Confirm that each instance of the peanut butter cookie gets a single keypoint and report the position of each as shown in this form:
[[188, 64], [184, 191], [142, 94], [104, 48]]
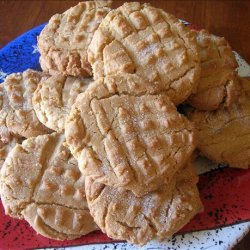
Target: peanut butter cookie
[[224, 134], [126, 133], [218, 81], [54, 97], [17, 115], [41, 183], [157, 215], [138, 38], [64, 41]]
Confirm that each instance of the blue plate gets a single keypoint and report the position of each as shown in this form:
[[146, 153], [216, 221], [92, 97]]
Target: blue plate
[[20, 54]]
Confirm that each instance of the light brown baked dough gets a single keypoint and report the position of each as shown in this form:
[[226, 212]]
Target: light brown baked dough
[[6, 144], [217, 85], [125, 133], [54, 97], [157, 215], [224, 134], [17, 115], [7, 140], [41, 183], [64, 41], [138, 38]]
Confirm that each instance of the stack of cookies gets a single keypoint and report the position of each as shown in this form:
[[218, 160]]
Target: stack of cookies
[[95, 141]]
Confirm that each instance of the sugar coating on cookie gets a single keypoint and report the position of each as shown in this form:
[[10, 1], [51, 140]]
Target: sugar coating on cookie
[[17, 115], [55, 96], [126, 133], [138, 38], [64, 41], [157, 215], [217, 85], [41, 183], [224, 134]]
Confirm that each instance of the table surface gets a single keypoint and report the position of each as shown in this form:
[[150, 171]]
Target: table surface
[[230, 19]]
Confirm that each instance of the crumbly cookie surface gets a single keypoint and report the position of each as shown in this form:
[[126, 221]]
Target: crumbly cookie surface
[[224, 134], [157, 215], [64, 40], [41, 183], [127, 133], [54, 97], [218, 81], [138, 38], [17, 115]]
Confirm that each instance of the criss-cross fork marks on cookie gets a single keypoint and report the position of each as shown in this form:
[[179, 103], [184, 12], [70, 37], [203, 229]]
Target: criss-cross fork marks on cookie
[[138, 38], [64, 41], [16, 112], [41, 183], [125, 136], [157, 215], [55, 96]]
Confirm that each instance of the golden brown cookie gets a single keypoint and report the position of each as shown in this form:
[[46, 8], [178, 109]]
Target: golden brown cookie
[[218, 81], [64, 41], [125, 133], [41, 183], [224, 134], [17, 115], [138, 38], [54, 97], [157, 215]]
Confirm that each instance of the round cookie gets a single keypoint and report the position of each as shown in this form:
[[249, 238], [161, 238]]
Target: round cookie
[[54, 97], [126, 133], [224, 133], [157, 215], [41, 183], [16, 111], [64, 40], [138, 38], [218, 81]]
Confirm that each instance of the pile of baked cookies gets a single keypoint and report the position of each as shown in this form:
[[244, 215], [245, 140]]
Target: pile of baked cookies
[[96, 141]]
